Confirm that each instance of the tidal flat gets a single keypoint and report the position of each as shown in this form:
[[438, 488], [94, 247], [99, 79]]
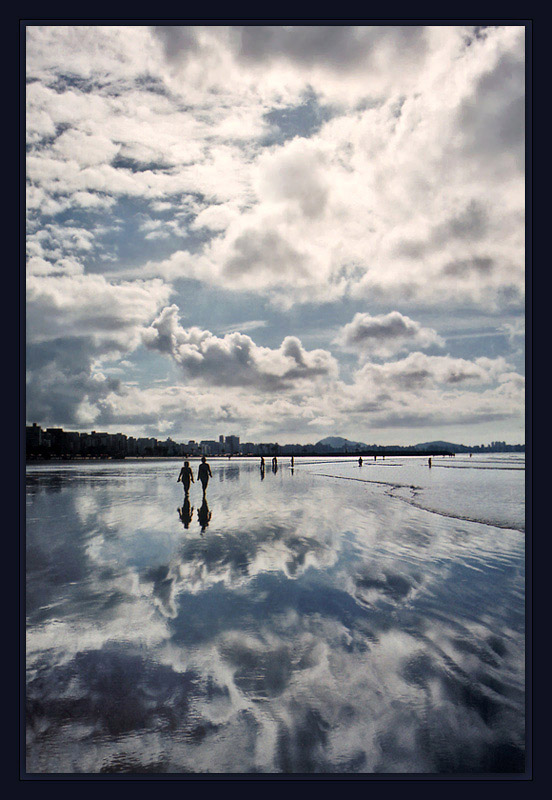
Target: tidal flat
[[329, 618]]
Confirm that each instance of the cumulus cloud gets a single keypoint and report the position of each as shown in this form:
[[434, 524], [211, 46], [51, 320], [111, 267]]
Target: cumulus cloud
[[419, 370], [90, 306], [235, 359], [407, 193], [386, 334], [72, 320]]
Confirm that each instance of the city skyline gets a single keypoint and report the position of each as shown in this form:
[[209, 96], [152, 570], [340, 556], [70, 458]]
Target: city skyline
[[56, 441], [287, 231]]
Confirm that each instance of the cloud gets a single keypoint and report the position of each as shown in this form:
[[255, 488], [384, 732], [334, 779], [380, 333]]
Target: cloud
[[493, 119], [419, 370], [249, 325], [380, 201], [72, 320], [399, 185], [179, 42], [235, 359], [386, 334], [90, 306], [295, 174]]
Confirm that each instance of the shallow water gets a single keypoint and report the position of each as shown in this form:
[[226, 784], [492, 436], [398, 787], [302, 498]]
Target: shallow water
[[308, 621]]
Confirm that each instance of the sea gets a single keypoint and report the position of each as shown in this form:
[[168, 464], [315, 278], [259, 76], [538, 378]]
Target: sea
[[320, 618]]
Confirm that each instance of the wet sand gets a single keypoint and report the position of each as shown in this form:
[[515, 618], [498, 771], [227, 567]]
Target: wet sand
[[297, 624]]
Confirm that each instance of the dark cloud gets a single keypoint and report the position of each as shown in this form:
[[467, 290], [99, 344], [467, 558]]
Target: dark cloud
[[60, 378], [470, 224], [264, 251], [387, 333], [178, 41], [493, 119], [392, 326], [338, 47], [479, 265]]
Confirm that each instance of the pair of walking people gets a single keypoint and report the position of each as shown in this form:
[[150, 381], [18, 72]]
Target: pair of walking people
[[186, 475]]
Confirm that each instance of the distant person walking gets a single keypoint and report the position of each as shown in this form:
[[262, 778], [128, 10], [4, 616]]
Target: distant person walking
[[204, 473], [360, 461], [292, 461], [429, 462], [186, 476], [262, 463], [274, 462]]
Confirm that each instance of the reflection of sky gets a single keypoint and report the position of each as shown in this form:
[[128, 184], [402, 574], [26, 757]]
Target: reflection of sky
[[313, 626], [485, 488]]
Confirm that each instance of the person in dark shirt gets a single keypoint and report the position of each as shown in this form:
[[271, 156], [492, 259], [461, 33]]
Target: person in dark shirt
[[186, 476], [204, 473]]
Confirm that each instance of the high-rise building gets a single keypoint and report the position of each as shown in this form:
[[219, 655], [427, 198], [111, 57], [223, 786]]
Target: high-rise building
[[232, 444]]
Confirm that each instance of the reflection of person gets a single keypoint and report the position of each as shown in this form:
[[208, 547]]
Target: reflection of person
[[204, 473], [186, 476], [204, 515], [186, 513]]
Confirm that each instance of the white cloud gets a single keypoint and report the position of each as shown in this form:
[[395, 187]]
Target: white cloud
[[386, 334], [235, 359], [407, 192], [90, 306]]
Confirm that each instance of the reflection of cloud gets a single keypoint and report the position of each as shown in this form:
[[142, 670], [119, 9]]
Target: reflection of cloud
[[311, 632]]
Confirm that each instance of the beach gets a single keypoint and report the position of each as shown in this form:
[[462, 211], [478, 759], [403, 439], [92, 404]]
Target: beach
[[328, 618]]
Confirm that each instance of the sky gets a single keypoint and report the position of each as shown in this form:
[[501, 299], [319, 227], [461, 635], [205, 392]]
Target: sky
[[277, 232]]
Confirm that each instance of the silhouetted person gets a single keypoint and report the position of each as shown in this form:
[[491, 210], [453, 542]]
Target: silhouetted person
[[186, 513], [186, 476], [429, 462], [262, 463], [204, 515], [375, 458], [204, 473], [292, 461], [274, 462], [360, 461]]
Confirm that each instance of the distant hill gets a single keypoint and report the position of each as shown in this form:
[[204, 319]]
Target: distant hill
[[439, 445], [338, 443], [341, 445]]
